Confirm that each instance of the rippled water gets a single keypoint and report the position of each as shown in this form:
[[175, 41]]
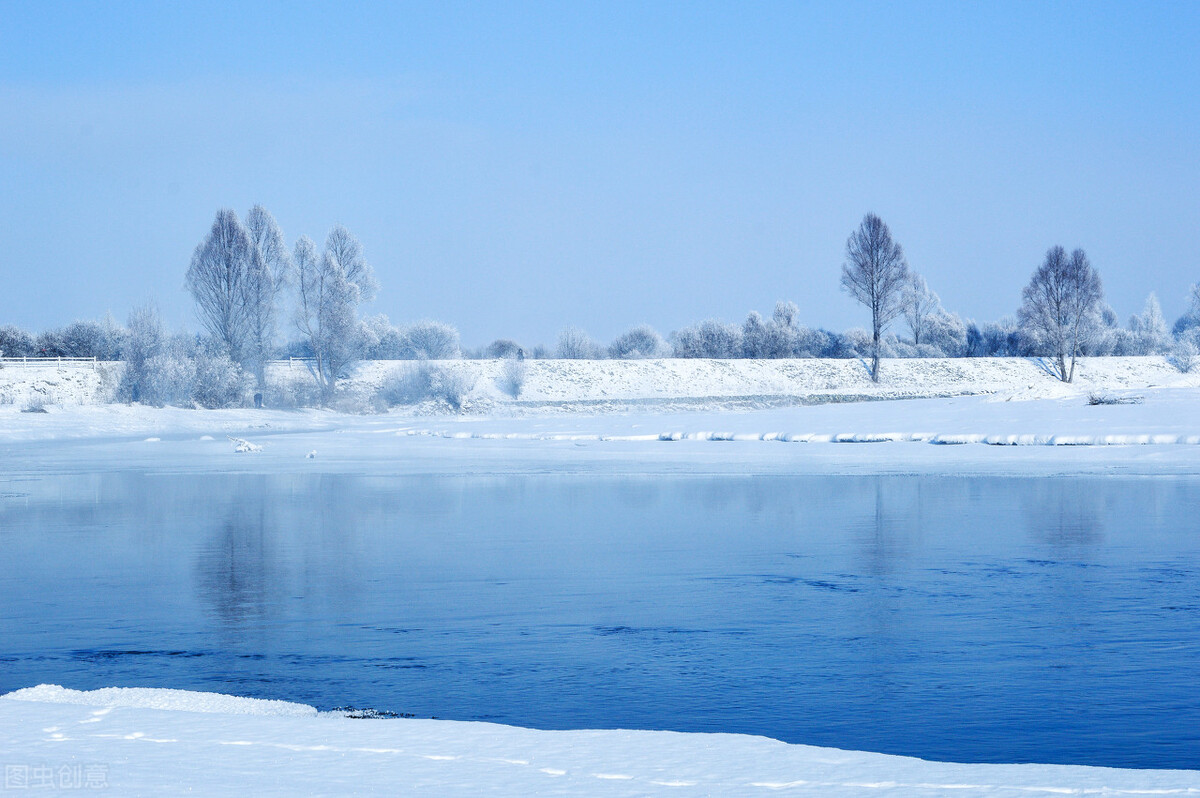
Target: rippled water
[[983, 620]]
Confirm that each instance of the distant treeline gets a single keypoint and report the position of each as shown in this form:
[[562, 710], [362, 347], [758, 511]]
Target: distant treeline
[[244, 280]]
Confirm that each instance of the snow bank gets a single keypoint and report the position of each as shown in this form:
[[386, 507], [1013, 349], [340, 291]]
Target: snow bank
[[148, 749], [159, 698], [590, 385], [24, 385]]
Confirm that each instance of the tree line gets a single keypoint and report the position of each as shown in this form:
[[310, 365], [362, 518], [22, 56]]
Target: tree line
[[252, 291]]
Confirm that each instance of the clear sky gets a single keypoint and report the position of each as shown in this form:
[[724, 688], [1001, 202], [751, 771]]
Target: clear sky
[[516, 167]]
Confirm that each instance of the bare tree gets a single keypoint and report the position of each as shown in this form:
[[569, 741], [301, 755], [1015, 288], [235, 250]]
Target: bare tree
[[574, 344], [875, 273], [327, 307], [1059, 306], [219, 280], [343, 247], [431, 340], [268, 273], [143, 342], [919, 304], [1149, 329]]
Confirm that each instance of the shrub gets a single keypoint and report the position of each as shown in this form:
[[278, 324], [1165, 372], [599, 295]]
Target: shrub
[[640, 342], [512, 377], [431, 340], [1095, 398], [501, 348], [708, 339], [294, 389], [408, 386], [574, 344], [143, 342], [219, 382], [1184, 355]]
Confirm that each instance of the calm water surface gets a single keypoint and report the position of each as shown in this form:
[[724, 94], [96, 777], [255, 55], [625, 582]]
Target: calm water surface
[[981, 620]]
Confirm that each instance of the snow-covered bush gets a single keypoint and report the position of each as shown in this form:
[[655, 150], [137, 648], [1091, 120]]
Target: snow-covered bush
[[143, 342], [501, 348], [101, 340], [409, 386], [187, 373], [818, 343], [574, 344], [1191, 319], [1150, 329], [431, 340], [381, 341], [293, 389], [946, 334], [220, 382], [768, 339], [170, 379], [1185, 355], [640, 342], [512, 377], [711, 338], [1004, 338], [857, 342]]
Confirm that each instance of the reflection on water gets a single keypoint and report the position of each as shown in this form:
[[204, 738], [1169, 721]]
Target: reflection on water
[[950, 618]]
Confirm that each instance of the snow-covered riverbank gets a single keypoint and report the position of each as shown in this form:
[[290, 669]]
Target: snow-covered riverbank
[[157, 742], [1159, 433], [590, 386]]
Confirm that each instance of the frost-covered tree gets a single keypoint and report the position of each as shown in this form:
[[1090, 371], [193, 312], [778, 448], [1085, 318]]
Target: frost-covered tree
[[710, 338], [144, 341], [343, 247], [15, 342], [875, 273], [944, 334], [918, 303], [786, 314], [640, 342], [1191, 319], [267, 275], [326, 312], [574, 344], [755, 336], [1185, 354], [219, 279], [1060, 305], [1149, 329], [98, 339], [502, 348], [431, 340], [768, 339]]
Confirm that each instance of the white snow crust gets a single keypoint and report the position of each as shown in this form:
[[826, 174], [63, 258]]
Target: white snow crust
[[148, 746]]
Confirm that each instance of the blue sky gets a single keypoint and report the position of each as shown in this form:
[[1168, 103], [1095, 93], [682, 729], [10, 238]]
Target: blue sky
[[513, 168]]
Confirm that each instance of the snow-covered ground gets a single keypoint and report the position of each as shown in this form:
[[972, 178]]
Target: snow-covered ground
[[590, 385], [630, 418], [159, 742], [993, 434]]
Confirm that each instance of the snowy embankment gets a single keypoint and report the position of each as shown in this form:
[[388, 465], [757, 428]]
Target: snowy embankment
[[34, 385], [1157, 431], [591, 386], [597, 385], [155, 742]]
